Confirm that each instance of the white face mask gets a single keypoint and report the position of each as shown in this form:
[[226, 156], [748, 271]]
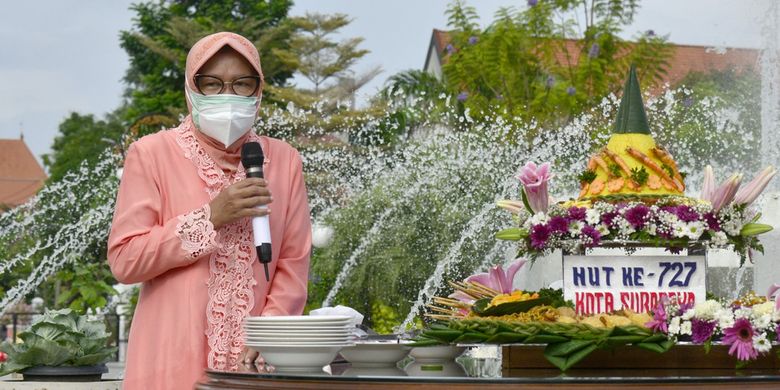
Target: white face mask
[[223, 117]]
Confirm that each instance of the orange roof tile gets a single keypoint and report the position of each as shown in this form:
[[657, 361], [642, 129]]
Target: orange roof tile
[[20, 174]]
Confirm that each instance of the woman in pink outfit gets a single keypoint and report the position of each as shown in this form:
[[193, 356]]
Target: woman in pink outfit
[[182, 228]]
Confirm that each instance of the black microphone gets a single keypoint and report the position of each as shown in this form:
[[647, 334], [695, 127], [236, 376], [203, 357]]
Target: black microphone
[[252, 159]]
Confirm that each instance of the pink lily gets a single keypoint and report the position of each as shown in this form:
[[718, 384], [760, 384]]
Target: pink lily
[[513, 206], [746, 195], [774, 293], [534, 180], [497, 278], [708, 185], [724, 194]]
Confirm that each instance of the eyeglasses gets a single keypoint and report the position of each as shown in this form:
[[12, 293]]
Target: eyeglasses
[[242, 86]]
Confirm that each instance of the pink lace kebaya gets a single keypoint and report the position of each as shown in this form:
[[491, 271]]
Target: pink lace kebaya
[[198, 282]]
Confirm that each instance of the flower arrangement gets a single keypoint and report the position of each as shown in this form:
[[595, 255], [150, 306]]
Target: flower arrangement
[[721, 218], [748, 325]]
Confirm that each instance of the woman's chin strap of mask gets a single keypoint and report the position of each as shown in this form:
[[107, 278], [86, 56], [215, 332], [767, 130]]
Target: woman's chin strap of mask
[[225, 118]]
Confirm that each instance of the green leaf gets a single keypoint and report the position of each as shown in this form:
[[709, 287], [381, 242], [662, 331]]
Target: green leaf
[[506, 338], [564, 362], [655, 347], [707, 346], [95, 358], [471, 337], [10, 367], [526, 203], [48, 330], [567, 348], [446, 336], [481, 308], [623, 340], [545, 339]]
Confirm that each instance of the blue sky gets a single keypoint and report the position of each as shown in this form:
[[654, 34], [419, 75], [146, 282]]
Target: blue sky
[[59, 56]]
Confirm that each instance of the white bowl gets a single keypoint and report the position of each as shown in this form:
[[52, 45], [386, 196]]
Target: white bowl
[[302, 359], [374, 354], [439, 353]]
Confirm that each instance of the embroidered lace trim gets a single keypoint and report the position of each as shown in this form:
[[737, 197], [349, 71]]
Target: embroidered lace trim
[[231, 279], [196, 232]]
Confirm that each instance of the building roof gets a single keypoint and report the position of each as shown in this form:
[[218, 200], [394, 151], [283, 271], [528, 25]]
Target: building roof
[[685, 59], [21, 176]]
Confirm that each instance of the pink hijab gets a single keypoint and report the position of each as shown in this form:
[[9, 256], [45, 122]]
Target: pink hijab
[[226, 158]]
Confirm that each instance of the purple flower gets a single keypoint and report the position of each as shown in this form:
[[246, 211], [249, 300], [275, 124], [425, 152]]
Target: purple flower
[[534, 179], [777, 333], [463, 96], [712, 221], [591, 236], [740, 337], [686, 213], [577, 213], [473, 40], [549, 82], [658, 324], [571, 91], [449, 48], [539, 235], [701, 330], [558, 224], [532, 3], [594, 51], [637, 216], [609, 218], [650, 33]]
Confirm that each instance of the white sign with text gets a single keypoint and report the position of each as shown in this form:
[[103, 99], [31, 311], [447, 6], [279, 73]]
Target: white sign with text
[[601, 284]]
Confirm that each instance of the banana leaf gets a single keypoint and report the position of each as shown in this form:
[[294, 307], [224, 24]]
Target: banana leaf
[[507, 338], [471, 337], [446, 336], [481, 307], [564, 362]]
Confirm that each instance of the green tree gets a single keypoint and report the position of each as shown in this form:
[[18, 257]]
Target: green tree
[[81, 138], [164, 31], [527, 64]]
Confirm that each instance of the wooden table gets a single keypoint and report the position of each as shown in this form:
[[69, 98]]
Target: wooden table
[[585, 379]]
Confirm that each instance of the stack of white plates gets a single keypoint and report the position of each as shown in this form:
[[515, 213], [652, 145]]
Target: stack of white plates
[[298, 343]]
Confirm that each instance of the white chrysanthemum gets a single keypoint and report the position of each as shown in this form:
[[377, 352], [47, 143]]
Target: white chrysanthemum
[[694, 230], [624, 227], [762, 321], [761, 344], [592, 216], [688, 314], [707, 310], [685, 328], [652, 229], [765, 308], [674, 325], [725, 318], [539, 218], [603, 229], [575, 227], [679, 229]]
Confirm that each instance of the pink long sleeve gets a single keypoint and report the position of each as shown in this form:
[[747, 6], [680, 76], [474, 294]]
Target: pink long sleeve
[[287, 294], [141, 244]]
